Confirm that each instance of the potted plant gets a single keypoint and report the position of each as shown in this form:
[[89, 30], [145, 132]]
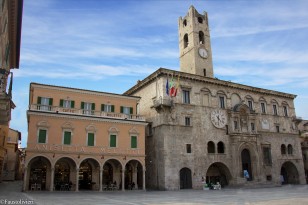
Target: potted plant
[[206, 187]]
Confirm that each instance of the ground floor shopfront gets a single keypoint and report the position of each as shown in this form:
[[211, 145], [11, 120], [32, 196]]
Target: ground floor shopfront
[[83, 172]]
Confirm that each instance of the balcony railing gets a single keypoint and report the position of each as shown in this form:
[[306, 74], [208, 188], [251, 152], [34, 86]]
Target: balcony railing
[[55, 109], [162, 102]]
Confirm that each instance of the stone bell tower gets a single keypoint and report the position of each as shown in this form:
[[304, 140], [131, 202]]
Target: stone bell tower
[[195, 44]]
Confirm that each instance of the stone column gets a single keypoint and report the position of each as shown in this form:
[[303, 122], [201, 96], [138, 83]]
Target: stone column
[[123, 179], [77, 179], [101, 179], [25, 179], [143, 179], [52, 178]]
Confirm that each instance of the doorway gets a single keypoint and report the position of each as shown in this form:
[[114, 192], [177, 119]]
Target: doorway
[[246, 164], [185, 178]]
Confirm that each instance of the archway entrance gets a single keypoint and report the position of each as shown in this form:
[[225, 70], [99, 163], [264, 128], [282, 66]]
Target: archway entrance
[[63, 179], [246, 163], [218, 172], [39, 167], [85, 175], [133, 175], [112, 174], [185, 178], [289, 173]]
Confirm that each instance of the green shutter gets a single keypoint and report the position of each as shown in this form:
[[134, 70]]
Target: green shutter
[[42, 136], [82, 105], [121, 109], [90, 139], [93, 106], [61, 103], [112, 108], [67, 138], [50, 101], [72, 104], [113, 140], [131, 110], [102, 107], [133, 142], [39, 100]]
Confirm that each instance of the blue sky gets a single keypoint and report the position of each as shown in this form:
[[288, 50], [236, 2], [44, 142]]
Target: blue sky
[[107, 45]]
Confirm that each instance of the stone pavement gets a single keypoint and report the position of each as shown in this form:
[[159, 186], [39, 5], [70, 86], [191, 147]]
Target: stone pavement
[[285, 195]]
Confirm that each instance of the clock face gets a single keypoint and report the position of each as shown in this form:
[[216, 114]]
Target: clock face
[[218, 118], [203, 52]]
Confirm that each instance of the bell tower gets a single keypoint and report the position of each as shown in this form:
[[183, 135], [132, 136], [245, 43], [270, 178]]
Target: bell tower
[[195, 44]]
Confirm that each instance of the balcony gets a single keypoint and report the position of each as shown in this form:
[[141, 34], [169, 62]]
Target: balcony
[[74, 111], [162, 103]]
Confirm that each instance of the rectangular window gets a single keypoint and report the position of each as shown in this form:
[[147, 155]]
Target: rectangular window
[[107, 108], [126, 110], [88, 108], [252, 126], [42, 136], [277, 128], [113, 141], [90, 139], [235, 125], [188, 148], [263, 107], [221, 102], [275, 110], [67, 103], [187, 121], [44, 103], [285, 111], [133, 142], [250, 105], [186, 96], [267, 158], [67, 138]]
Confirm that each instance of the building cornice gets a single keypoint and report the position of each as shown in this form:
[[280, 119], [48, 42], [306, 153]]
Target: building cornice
[[187, 76]]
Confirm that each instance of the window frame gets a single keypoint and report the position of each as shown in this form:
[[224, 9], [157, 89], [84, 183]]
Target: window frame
[[38, 135], [187, 121], [285, 110], [88, 139], [267, 155], [186, 96], [263, 107], [222, 102], [63, 137], [188, 149], [116, 140], [275, 109], [131, 141]]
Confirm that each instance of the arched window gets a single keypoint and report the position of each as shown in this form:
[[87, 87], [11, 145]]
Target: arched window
[[220, 147], [185, 40], [283, 149], [290, 149], [210, 147], [200, 20], [201, 37], [185, 22]]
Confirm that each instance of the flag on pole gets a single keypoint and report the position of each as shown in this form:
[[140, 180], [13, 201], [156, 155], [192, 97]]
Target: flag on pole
[[177, 85]]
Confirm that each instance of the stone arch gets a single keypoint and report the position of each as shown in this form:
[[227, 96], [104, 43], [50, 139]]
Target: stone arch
[[254, 159], [235, 99], [218, 172], [134, 174], [211, 147], [64, 173], [89, 174], [220, 147], [290, 149], [289, 173], [185, 40], [185, 178], [201, 37], [283, 149], [112, 172]]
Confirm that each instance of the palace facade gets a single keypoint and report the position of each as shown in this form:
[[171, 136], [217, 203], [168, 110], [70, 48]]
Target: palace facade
[[83, 140], [203, 130]]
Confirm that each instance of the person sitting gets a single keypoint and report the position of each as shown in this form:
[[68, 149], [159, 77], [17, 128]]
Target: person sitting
[[133, 185]]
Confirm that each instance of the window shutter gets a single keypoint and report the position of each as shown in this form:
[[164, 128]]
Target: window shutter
[[50, 101], [82, 105], [72, 104], [112, 108], [102, 107], [39, 100], [131, 110], [42, 136], [61, 103], [67, 138], [93, 106], [90, 139], [113, 140], [133, 142], [121, 109]]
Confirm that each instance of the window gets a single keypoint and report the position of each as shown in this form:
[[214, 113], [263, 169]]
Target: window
[[42, 136], [267, 157], [107, 108], [235, 125], [186, 96], [90, 141], [290, 149], [133, 141], [67, 103], [188, 148], [285, 111], [113, 141], [283, 149], [187, 121], [126, 110], [221, 101], [220, 147], [44, 103], [204, 72], [252, 126], [277, 128], [185, 22], [250, 105], [185, 40], [200, 20], [263, 110], [88, 108], [275, 110], [67, 137], [210, 147], [201, 37]]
